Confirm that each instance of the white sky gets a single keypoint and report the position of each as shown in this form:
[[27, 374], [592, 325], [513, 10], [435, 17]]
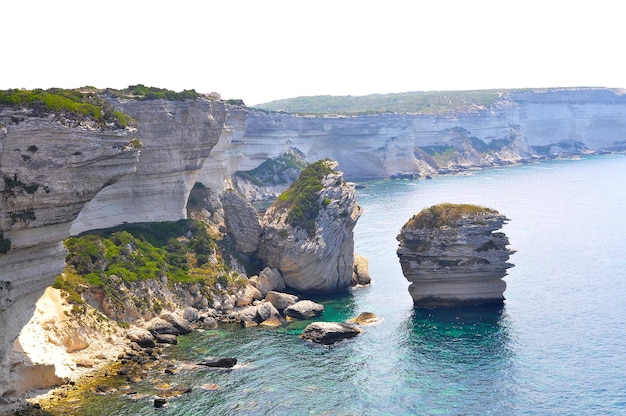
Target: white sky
[[262, 50]]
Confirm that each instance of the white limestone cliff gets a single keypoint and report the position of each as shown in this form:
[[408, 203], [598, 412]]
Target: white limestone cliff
[[384, 145], [176, 138], [50, 171]]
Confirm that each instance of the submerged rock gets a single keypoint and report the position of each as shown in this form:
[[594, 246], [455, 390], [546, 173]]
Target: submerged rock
[[329, 332], [452, 256]]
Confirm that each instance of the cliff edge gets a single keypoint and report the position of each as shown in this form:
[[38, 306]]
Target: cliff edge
[[452, 256]]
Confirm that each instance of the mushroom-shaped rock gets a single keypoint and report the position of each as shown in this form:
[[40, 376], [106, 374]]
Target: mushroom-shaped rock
[[452, 256], [329, 332], [304, 309]]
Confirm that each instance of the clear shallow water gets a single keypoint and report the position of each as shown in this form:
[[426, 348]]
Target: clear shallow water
[[558, 346]]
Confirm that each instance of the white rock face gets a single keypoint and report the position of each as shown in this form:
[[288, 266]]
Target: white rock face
[[49, 172], [380, 146], [177, 137], [323, 261]]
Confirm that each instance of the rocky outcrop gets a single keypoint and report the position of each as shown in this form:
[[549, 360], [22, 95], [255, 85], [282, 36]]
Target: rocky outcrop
[[242, 222], [452, 256], [268, 180], [309, 239]]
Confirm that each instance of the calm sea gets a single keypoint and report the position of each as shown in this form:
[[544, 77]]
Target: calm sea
[[556, 347]]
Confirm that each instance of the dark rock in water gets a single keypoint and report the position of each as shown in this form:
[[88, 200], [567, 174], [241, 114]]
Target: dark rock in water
[[452, 256], [219, 362], [159, 402], [304, 309], [329, 332]]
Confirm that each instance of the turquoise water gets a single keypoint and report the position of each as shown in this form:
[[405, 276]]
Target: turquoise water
[[557, 346]]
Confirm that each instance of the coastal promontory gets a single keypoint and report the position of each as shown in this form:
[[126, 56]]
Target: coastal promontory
[[452, 256]]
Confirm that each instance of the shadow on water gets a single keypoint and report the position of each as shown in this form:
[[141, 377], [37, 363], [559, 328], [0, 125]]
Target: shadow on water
[[466, 352]]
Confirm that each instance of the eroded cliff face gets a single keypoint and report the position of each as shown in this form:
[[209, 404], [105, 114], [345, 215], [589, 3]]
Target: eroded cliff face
[[50, 169], [320, 259], [176, 137], [61, 178], [519, 127], [452, 256]]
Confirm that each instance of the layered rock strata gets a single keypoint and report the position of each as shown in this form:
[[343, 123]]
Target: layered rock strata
[[320, 259], [50, 170], [452, 256], [176, 138]]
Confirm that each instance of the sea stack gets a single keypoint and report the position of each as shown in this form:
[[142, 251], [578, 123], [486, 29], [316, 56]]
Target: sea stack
[[452, 256], [308, 231]]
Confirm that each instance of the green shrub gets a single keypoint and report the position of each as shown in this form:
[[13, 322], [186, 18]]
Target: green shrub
[[73, 103], [302, 199], [445, 214]]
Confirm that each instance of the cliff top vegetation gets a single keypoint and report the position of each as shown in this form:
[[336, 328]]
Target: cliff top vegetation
[[430, 102], [444, 215], [79, 104], [302, 199], [141, 92]]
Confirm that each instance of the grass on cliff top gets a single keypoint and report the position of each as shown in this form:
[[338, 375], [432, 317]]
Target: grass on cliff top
[[301, 198], [424, 102], [79, 104], [141, 92], [445, 214]]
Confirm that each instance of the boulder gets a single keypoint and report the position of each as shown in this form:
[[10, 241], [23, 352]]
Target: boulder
[[247, 295], [266, 310], [141, 336], [304, 309], [268, 280], [166, 339], [272, 322], [281, 300], [364, 318], [191, 314], [180, 323], [329, 332], [161, 326], [361, 274]]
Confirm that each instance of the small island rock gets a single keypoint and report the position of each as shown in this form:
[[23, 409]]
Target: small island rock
[[452, 256]]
